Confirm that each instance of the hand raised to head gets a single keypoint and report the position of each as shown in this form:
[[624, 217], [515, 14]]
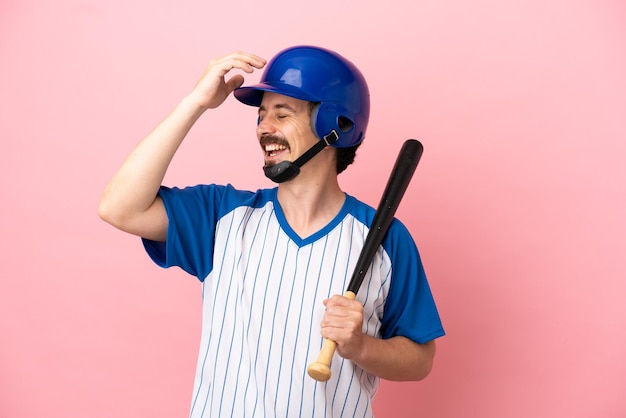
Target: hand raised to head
[[213, 87]]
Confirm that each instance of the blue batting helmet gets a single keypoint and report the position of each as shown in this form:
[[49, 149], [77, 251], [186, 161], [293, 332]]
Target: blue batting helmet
[[321, 76]]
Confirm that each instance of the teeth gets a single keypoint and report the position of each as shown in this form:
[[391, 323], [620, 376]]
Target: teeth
[[274, 147]]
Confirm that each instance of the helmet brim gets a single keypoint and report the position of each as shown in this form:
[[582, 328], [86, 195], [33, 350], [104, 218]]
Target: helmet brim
[[253, 95]]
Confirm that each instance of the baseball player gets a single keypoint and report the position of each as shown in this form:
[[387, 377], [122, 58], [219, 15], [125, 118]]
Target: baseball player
[[273, 263]]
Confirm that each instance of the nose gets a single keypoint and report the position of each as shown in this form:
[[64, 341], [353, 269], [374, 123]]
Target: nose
[[264, 127]]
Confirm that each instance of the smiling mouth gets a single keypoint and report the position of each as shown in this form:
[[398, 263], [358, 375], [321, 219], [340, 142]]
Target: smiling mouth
[[272, 150], [273, 146]]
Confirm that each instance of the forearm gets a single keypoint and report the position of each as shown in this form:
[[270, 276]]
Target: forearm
[[133, 189], [397, 358], [130, 200]]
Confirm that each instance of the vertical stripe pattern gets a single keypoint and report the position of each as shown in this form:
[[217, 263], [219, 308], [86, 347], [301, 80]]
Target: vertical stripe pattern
[[262, 308]]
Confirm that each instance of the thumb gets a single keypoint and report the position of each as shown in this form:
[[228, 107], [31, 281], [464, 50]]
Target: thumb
[[235, 81]]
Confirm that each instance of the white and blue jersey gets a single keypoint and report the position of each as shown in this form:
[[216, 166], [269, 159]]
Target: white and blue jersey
[[263, 287]]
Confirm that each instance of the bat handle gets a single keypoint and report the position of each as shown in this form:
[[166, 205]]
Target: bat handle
[[320, 368]]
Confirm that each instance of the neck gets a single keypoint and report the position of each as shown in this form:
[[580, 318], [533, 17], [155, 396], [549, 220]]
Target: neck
[[310, 202]]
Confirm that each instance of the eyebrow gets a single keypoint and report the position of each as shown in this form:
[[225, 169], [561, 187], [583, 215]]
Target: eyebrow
[[278, 107]]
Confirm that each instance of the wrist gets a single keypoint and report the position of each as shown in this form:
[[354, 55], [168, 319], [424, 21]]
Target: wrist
[[194, 103], [366, 347]]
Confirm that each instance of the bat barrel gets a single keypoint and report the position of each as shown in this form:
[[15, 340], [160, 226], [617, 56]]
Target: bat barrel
[[399, 179]]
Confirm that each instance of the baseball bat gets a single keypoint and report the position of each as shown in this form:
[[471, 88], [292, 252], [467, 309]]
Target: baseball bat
[[398, 181]]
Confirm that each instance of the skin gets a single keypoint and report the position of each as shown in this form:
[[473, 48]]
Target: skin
[[309, 201]]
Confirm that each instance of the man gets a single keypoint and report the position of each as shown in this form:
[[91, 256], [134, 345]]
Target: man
[[273, 263]]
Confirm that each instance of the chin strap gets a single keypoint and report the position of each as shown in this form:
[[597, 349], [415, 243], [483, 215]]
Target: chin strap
[[286, 170]]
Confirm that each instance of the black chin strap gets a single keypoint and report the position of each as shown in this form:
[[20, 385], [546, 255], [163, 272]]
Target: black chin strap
[[286, 170]]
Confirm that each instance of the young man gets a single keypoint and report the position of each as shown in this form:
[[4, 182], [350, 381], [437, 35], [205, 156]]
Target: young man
[[273, 263]]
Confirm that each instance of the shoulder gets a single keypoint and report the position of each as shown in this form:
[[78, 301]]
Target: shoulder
[[216, 194], [360, 210], [365, 214]]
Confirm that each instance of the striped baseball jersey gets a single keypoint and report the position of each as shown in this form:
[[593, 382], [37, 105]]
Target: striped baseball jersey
[[262, 292]]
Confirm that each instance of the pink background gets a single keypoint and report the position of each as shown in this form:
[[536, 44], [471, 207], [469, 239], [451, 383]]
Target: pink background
[[517, 206]]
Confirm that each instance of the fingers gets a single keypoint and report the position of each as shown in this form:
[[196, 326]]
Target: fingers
[[343, 313], [238, 60], [213, 88], [341, 302], [235, 82], [343, 323]]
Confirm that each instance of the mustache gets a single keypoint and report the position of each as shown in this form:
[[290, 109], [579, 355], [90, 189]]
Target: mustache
[[273, 139]]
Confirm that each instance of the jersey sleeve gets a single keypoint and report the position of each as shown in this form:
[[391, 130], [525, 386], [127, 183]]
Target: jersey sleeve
[[410, 309], [192, 215]]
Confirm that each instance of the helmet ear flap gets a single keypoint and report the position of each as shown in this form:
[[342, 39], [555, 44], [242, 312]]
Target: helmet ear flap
[[326, 118], [314, 113]]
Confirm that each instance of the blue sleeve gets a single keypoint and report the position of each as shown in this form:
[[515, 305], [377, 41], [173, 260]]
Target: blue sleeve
[[192, 216], [410, 309]]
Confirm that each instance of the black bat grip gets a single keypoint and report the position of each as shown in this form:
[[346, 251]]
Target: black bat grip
[[399, 180]]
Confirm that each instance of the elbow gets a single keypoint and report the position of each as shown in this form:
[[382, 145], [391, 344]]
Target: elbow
[[104, 212], [427, 359], [107, 212], [424, 370], [147, 224]]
